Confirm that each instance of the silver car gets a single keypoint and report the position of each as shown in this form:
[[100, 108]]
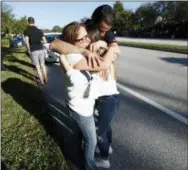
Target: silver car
[[51, 56]]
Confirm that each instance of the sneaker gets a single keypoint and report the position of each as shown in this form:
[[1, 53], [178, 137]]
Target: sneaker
[[102, 163], [97, 151]]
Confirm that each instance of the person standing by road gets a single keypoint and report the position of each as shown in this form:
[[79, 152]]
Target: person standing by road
[[34, 39]]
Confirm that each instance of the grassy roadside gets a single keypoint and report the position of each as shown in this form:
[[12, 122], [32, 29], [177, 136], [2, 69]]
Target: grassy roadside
[[163, 47], [25, 141]]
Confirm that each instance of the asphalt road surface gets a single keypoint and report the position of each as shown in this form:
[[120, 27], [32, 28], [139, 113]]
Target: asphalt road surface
[[157, 75], [144, 137]]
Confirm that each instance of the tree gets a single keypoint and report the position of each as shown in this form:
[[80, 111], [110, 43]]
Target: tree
[[118, 7], [146, 15], [56, 28], [181, 13], [20, 25], [7, 18], [122, 21]]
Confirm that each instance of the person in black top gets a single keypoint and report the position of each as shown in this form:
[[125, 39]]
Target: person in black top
[[34, 39], [105, 106]]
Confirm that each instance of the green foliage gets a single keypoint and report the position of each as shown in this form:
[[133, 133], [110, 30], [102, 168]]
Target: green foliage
[[56, 28], [7, 18], [182, 49], [146, 15], [9, 23], [25, 143], [122, 17], [20, 25], [118, 7]]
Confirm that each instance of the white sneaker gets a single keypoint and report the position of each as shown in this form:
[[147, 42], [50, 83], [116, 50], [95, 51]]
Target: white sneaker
[[102, 163], [98, 151]]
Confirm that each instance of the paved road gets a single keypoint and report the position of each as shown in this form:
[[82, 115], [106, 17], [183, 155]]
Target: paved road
[[144, 138], [160, 76], [154, 41]]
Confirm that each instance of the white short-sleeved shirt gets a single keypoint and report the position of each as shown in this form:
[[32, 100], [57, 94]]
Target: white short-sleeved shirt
[[108, 87], [76, 85]]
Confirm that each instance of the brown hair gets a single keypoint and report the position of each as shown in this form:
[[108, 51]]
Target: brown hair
[[105, 73], [93, 32], [70, 32]]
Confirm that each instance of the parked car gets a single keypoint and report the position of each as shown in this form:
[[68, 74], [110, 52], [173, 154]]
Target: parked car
[[17, 41], [51, 56]]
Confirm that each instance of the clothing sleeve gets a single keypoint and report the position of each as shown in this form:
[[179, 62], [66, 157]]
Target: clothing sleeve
[[109, 37], [74, 58], [42, 34]]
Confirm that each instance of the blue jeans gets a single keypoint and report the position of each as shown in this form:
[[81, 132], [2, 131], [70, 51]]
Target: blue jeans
[[87, 127], [106, 106]]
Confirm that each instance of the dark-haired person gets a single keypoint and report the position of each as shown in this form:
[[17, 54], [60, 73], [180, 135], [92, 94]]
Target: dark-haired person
[[106, 106], [34, 39]]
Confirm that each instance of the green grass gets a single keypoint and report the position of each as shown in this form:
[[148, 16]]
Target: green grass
[[25, 143], [155, 46]]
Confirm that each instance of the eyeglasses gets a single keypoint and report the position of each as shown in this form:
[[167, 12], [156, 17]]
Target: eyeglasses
[[82, 39]]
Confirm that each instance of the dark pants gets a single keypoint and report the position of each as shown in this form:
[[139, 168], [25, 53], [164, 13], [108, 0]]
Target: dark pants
[[106, 106]]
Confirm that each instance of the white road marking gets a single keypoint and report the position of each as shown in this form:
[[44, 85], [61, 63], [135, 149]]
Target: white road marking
[[154, 104]]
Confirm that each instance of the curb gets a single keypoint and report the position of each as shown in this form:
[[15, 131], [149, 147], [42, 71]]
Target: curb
[[154, 48]]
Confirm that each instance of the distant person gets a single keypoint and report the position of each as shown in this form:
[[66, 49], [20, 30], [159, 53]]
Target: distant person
[[34, 39]]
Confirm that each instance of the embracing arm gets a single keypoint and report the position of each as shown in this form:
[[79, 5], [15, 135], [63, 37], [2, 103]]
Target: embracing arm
[[117, 54], [104, 64], [63, 47], [64, 63]]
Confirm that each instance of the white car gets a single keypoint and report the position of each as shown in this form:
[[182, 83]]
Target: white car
[[51, 56]]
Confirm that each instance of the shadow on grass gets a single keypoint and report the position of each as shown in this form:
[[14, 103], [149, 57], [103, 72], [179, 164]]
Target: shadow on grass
[[174, 60], [22, 62], [3, 166], [20, 71], [5, 51], [59, 124]]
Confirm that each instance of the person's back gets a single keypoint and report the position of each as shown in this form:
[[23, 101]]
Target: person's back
[[35, 35], [34, 38]]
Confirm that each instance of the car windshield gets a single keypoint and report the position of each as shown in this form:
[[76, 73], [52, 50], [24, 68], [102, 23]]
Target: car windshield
[[51, 37]]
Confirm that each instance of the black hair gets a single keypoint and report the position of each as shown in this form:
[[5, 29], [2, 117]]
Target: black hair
[[31, 20], [103, 13], [93, 31]]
